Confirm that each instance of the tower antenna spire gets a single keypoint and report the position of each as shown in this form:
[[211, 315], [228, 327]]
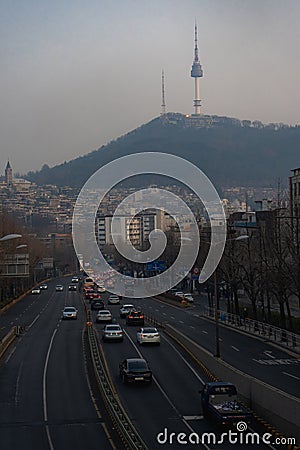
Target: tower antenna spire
[[196, 73], [163, 101]]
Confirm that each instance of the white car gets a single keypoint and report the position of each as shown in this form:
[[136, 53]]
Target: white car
[[125, 310], [44, 286], [113, 300], [36, 290], [101, 288], [179, 294], [148, 335], [69, 312], [59, 288], [189, 298], [112, 333], [103, 315]]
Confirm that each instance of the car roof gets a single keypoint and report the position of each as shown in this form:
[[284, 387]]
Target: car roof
[[135, 359], [104, 311], [148, 328]]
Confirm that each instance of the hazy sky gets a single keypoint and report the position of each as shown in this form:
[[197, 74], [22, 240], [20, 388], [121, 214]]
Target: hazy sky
[[76, 74]]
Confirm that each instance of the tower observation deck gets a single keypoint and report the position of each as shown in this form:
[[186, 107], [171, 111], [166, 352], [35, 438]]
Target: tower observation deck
[[196, 73]]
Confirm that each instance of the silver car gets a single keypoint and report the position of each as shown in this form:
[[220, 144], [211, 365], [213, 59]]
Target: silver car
[[36, 290], [59, 288], [112, 333], [69, 312], [148, 335], [104, 316], [125, 310], [113, 300]]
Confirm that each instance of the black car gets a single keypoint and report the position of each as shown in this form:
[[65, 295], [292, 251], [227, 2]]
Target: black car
[[135, 317], [134, 370], [96, 305], [72, 287]]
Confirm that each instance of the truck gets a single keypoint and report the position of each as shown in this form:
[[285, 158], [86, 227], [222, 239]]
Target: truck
[[219, 403]]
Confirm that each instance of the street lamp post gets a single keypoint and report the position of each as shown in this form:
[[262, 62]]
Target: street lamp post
[[217, 351]]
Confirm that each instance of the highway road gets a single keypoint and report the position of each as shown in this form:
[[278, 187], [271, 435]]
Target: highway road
[[45, 398], [172, 402], [253, 356], [45, 401]]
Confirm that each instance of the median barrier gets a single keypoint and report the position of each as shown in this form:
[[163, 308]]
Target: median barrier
[[276, 406], [7, 340]]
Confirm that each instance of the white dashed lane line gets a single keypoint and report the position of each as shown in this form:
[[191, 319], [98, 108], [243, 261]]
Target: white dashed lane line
[[234, 348], [290, 375], [205, 332]]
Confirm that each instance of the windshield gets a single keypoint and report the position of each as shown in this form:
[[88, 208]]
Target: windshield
[[137, 366]]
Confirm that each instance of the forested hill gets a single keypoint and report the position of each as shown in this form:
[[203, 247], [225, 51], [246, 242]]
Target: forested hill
[[229, 151]]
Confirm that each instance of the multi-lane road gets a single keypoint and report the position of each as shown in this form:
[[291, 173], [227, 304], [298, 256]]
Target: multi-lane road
[[45, 396], [45, 402]]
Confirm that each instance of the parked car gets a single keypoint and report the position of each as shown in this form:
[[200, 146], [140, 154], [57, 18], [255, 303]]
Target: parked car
[[59, 288], [135, 317], [148, 335], [103, 316], [112, 332], [113, 299], [43, 287], [36, 291], [69, 312], [179, 294], [134, 370], [125, 310]]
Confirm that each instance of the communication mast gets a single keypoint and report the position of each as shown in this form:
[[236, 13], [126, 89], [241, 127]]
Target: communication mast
[[196, 73]]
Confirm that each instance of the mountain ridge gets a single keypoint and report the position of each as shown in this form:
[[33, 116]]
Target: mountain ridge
[[229, 151]]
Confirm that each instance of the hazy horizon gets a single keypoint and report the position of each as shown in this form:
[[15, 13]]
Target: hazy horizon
[[76, 76]]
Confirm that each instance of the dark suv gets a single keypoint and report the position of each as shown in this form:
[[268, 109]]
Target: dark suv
[[97, 304], [135, 317], [134, 370]]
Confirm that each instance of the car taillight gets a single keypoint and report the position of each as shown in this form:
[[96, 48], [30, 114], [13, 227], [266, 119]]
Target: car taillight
[[141, 317], [130, 317]]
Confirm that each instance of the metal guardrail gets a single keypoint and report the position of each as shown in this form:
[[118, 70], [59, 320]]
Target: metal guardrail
[[127, 432], [7, 340], [262, 329]]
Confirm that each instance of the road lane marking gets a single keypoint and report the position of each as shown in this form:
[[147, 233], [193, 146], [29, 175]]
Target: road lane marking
[[205, 332], [196, 315], [34, 320], [193, 417], [10, 355], [191, 326], [180, 321], [163, 392], [267, 352], [234, 348], [18, 384], [45, 390], [172, 317], [290, 375]]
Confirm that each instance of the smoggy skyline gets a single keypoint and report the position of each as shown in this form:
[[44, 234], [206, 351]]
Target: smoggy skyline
[[75, 74]]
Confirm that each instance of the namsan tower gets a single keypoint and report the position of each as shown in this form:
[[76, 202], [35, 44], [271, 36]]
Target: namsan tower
[[196, 73]]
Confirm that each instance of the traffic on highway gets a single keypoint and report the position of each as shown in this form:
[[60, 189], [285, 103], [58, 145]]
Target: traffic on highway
[[50, 395]]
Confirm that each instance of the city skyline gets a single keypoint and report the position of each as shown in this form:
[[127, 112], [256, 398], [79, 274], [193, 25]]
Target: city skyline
[[75, 77]]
